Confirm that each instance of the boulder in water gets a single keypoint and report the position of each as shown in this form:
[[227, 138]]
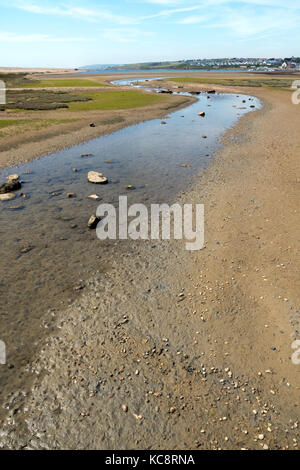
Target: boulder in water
[[10, 187], [97, 178]]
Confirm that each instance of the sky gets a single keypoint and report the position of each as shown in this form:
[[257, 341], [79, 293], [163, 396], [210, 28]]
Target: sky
[[65, 33]]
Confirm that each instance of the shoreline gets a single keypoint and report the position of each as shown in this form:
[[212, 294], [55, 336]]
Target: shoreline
[[36, 144], [233, 289], [43, 143]]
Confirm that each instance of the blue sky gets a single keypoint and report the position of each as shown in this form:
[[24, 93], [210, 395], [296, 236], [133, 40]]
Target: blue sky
[[65, 33]]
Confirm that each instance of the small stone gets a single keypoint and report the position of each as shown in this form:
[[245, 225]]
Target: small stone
[[125, 408], [7, 196], [202, 114], [93, 222], [71, 195], [94, 197], [13, 177], [130, 187], [261, 437]]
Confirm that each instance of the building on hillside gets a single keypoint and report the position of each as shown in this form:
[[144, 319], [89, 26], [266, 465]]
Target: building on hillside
[[289, 64]]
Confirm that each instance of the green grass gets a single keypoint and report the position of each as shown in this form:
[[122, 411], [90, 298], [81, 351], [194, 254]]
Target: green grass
[[116, 100], [8, 126], [14, 80], [63, 83], [11, 122], [248, 82]]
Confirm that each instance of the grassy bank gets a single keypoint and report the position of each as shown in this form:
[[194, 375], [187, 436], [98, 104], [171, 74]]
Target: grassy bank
[[13, 127], [247, 82], [115, 100], [64, 83]]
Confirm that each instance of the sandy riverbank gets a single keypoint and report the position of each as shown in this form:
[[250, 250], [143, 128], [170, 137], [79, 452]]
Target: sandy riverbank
[[37, 70], [135, 366]]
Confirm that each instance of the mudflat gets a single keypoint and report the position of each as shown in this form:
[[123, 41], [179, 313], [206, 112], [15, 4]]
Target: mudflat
[[180, 350]]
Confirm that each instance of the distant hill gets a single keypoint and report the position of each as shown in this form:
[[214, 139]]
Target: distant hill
[[98, 66], [183, 65], [139, 66]]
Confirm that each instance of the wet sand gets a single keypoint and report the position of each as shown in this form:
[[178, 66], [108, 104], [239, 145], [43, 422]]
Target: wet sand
[[133, 364]]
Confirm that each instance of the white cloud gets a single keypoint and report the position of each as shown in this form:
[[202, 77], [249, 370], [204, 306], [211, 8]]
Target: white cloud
[[13, 37], [83, 13], [238, 17], [123, 35]]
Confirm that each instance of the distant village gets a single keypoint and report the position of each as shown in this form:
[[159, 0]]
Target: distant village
[[291, 64], [288, 63]]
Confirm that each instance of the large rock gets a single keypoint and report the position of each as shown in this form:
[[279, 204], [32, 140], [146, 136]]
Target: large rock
[[97, 178], [7, 196], [10, 186]]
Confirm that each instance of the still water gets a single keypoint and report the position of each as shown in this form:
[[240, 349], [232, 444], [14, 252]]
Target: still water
[[46, 249]]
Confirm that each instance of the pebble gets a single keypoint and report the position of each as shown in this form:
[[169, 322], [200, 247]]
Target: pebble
[[93, 222], [139, 417]]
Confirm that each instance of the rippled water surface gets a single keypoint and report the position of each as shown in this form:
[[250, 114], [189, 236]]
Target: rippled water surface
[[46, 250]]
